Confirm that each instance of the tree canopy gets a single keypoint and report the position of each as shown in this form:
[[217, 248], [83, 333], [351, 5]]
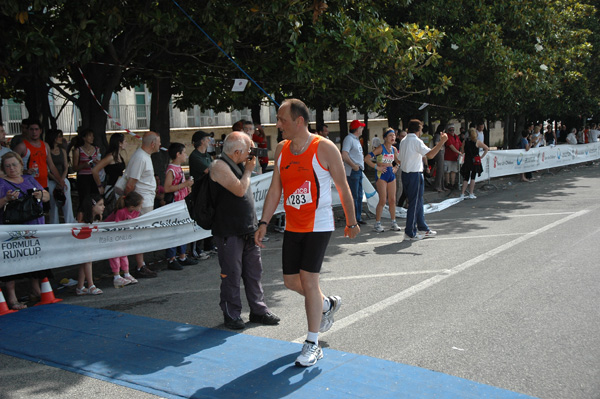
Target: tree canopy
[[528, 58]]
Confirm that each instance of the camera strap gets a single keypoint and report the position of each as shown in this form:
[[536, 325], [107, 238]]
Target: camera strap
[[237, 169]]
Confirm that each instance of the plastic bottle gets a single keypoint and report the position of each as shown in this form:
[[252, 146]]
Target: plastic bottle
[[36, 169]]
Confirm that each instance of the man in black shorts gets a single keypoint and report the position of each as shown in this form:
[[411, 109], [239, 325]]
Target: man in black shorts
[[306, 187]]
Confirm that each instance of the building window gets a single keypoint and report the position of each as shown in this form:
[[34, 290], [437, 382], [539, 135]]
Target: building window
[[141, 107]]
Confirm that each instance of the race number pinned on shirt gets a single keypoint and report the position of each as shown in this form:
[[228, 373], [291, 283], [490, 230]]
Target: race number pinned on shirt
[[300, 197]]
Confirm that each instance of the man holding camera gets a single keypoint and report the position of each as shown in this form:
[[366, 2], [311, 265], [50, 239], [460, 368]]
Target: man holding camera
[[233, 231]]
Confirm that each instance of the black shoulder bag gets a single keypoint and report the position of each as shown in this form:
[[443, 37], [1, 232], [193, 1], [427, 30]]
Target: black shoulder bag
[[23, 209]]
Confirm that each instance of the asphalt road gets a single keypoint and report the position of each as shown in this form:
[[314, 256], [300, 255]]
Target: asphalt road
[[506, 295]]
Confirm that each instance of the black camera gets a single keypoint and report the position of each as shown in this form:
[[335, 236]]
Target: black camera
[[259, 152]]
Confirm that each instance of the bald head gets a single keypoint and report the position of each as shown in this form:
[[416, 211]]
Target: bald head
[[151, 142], [236, 141]]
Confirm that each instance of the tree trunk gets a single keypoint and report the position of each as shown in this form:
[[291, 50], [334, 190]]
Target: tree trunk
[[319, 120], [160, 122], [520, 120], [36, 101], [509, 128], [103, 81], [343, 120], [255, 112], [394, 114], [366, 135]]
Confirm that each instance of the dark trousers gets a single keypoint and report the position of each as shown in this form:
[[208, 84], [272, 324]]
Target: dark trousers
[[414, 184], [86, 185], [240, 259], [355, 183]]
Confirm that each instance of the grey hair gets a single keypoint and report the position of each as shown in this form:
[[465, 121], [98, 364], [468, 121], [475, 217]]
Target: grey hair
[[235, 142], [149, 138]]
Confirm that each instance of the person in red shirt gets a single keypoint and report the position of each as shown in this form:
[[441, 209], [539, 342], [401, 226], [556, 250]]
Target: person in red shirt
[[260, 140], [39, 160], [451, 153]]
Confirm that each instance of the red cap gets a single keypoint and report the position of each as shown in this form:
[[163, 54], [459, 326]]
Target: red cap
[[355, 124]]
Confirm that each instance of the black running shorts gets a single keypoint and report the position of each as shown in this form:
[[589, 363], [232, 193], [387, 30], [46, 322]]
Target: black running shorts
[[304, 251]]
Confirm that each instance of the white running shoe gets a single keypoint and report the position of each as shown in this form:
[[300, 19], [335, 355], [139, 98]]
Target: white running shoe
[[428, 234], [311, 352], [378, 228], [395, 226], [327, 318], [120, 282], [417, 237], [472, 196], [462, 196]]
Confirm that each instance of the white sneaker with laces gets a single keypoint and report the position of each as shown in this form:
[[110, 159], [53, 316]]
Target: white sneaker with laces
[[311, 352], [462, 196], [378, 227], [417, 237], [472, 196], [120, 282], [327, 318], [395, 226], [428, 234]]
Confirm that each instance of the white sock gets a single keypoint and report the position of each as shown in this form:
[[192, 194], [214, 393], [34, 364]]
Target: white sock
[[326, 304], [126, 274], [313, 337], [117, 276]]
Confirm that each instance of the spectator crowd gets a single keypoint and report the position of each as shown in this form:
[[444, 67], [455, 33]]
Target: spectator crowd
[[404, 162]]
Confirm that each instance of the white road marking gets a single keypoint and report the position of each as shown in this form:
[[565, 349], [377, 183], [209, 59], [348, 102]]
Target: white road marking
[[510, 215], [394, 299], [398, 239], [109, 300]]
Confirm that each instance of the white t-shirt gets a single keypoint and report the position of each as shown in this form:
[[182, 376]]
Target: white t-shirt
[[412, 150], [480, 136], [211, 145], [352, 146], [140, 168], [593, 136], [571, 138], [539, 140]]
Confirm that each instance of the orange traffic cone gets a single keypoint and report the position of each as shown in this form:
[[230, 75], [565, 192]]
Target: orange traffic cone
[[47, 294], [3, 306]]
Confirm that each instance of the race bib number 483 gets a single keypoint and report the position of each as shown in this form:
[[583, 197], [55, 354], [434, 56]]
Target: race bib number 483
[[301, 196]]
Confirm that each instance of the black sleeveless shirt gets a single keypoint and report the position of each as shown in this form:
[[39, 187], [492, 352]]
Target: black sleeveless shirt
[[234, 216]]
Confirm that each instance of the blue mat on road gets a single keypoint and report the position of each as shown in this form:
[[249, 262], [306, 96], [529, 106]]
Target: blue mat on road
[[176, 360]]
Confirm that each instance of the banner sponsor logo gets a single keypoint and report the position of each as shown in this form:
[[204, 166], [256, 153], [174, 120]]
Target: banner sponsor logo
[[520, 159], [21, 234], [21, 245], [83, 233]]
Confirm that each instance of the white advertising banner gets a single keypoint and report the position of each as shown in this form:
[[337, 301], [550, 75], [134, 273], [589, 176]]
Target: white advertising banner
[[26, 248], [372, 199], [510, 162]]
